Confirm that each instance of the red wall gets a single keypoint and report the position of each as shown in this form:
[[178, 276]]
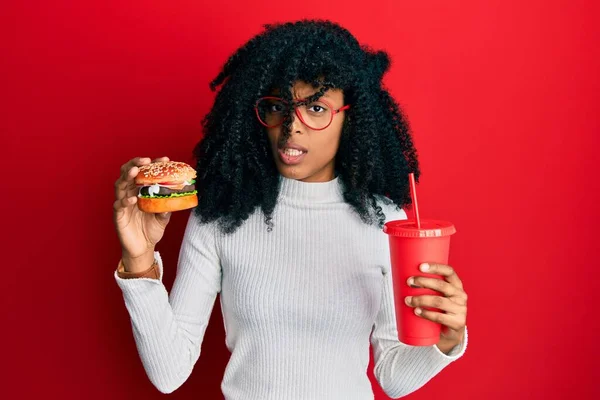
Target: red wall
[[503, 97]]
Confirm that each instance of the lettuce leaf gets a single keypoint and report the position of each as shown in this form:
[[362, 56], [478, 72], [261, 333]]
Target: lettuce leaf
[[169, 195]]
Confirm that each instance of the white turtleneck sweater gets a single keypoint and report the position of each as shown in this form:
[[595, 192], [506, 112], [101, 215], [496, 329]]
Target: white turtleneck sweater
[[300, 304]]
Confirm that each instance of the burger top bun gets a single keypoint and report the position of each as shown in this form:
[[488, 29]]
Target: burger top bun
[[165, 171]]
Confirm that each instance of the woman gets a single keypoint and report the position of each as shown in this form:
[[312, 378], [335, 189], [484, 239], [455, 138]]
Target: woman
[[305, 156]]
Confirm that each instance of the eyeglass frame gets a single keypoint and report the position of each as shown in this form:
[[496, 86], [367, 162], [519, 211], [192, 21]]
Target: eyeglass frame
[[333, 112]]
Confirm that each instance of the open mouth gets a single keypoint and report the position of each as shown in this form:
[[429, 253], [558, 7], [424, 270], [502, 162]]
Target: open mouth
[[291, 156]]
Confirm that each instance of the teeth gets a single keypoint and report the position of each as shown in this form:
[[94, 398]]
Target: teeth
[[292, 152]]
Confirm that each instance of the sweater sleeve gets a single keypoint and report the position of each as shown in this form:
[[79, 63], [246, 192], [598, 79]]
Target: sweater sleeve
[[401, 369], [169, 328]]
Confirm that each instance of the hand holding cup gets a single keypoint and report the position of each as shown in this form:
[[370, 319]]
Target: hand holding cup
[[451, 304]]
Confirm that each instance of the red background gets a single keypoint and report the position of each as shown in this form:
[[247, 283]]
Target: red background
[[503, 101]]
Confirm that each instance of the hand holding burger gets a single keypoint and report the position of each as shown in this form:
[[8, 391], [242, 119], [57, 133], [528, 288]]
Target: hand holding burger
[[158, 187]]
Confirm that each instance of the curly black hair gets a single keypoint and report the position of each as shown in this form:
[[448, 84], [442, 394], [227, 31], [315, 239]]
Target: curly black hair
[[236, 170]]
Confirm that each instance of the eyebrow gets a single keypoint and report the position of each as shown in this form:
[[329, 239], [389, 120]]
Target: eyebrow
[[325, 95], [277, 92]]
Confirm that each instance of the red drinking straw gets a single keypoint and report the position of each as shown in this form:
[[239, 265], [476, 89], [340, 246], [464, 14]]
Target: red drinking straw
[[413, 196]]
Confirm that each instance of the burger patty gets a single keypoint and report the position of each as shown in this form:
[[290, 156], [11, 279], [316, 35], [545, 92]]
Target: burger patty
[[163, 191]]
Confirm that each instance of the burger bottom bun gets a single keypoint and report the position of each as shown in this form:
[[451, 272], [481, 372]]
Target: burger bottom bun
[[167, 204]]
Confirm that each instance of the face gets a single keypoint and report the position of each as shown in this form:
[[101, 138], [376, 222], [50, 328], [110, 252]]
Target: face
[[309, 155]]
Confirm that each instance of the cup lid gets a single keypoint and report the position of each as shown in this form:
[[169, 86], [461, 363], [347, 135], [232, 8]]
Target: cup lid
[[429, 228]]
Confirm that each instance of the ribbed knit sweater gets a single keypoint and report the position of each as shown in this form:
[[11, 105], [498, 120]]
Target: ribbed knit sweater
[[301, 305]]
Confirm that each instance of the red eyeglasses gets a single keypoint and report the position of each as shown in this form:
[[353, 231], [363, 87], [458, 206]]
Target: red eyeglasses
[[317, 115]]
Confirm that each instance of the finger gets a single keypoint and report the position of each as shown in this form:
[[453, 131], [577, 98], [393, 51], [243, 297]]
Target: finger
[[436, 284], [455, 322], [163, 218], [439, 302], [125, 202], [161, 159], [125, 182], [137, 162], [121, 205], [125, 174], [444, 270]]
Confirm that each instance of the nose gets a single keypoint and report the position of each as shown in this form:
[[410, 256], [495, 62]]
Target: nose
[[297, 125]]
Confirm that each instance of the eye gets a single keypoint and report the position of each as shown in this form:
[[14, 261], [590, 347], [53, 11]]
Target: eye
[[275, 107], [316, 108]]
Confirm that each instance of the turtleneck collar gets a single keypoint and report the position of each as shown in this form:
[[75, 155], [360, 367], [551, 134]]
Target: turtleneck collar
[[311, 192]]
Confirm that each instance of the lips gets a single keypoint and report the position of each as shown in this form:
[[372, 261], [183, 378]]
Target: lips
[[294, 146], [292, 154]]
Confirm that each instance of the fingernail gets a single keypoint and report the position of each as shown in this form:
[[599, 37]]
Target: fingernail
[[408, 299], [424, 267], [411, 283], [418, 311]]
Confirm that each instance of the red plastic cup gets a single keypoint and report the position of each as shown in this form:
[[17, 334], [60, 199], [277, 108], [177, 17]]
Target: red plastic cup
[[409, 247]]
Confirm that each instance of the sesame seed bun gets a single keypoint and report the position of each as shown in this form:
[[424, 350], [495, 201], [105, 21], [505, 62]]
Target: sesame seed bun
[[165, 171], [168, 204]]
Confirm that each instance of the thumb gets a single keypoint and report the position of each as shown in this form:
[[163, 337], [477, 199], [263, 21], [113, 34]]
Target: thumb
[[164, 217]]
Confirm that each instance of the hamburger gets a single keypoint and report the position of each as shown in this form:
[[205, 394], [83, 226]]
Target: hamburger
[[166, 186]]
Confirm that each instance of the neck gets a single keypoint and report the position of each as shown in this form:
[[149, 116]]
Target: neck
[[312, 191]]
